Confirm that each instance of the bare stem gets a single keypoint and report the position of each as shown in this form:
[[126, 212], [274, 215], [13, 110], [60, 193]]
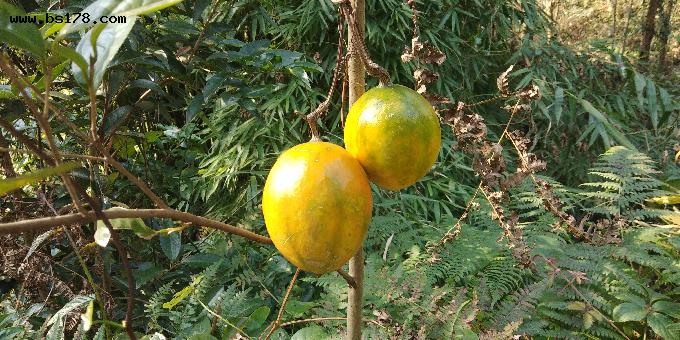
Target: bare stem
[[338, 71], [276, 323]]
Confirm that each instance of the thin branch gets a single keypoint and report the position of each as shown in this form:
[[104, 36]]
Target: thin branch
[[81, 261], [45, 223], [350, 280], [323, 107], [134, 179], [338, 318], [42, 119], [63, 154], [332, 318], [26, 141], [240, 331], [276, 323]]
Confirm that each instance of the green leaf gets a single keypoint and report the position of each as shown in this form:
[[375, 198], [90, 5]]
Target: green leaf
[[56, 332], [660, 324], [599, 116], [629, 312], [202, 336], [102, 235], [652, 106], [100, 334], [86, 318], [310, 333], [137, 226], [640, 83], [257, 318], [184, 293], [21, 35], [668, 199], [194, 107], [667, 307], [14, 183], [171, 244], [71, 54], [115, 118], [108, 39], [587, 321], [557, 103], [146, 84], [298, 308], [76, 302]]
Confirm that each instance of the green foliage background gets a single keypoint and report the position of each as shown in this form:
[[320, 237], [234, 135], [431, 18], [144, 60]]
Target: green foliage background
[[217, 115]]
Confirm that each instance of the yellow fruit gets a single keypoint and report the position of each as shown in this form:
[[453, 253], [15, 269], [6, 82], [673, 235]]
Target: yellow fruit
[[317, 205], [394, 133]]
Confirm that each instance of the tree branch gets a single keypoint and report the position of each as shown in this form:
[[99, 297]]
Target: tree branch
[[348, 278], [45, 223]]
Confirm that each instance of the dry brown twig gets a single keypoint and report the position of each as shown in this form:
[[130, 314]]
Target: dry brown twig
[[338, 71], [277, 322], [358, 45]]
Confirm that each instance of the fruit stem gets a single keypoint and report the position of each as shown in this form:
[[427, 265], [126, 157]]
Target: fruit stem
[[338, 72], [357, 45]]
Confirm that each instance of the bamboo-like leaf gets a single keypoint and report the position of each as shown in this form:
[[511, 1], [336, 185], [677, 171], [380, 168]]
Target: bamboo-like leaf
[[613, 131], [11, 184], [652, 106], [640, 83], [184, 293], [557, 104]]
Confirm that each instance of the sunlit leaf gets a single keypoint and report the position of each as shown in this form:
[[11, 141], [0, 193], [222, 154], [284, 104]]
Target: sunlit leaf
[[14, 183]]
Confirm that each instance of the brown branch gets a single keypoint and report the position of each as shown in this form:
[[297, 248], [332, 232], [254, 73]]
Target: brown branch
[[348, 278], [332, 318], [63, 154], [122, 254], [134, 179], [358, 45], [45, 223], [338, 318], [276, 323], [337, 73], [6, 158], [42, 119], [26, 141]]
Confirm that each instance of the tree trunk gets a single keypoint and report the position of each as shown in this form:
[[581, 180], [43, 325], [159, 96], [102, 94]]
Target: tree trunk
[[624, 38], [614, 5], [648, 30], [665, 32], [356, 75]]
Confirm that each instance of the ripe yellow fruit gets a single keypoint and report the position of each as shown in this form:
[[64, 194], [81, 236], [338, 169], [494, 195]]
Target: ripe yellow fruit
[[317, 205], [394, 133]]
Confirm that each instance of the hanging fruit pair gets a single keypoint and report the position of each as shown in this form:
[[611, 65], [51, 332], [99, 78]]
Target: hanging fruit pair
[[317, 200]]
